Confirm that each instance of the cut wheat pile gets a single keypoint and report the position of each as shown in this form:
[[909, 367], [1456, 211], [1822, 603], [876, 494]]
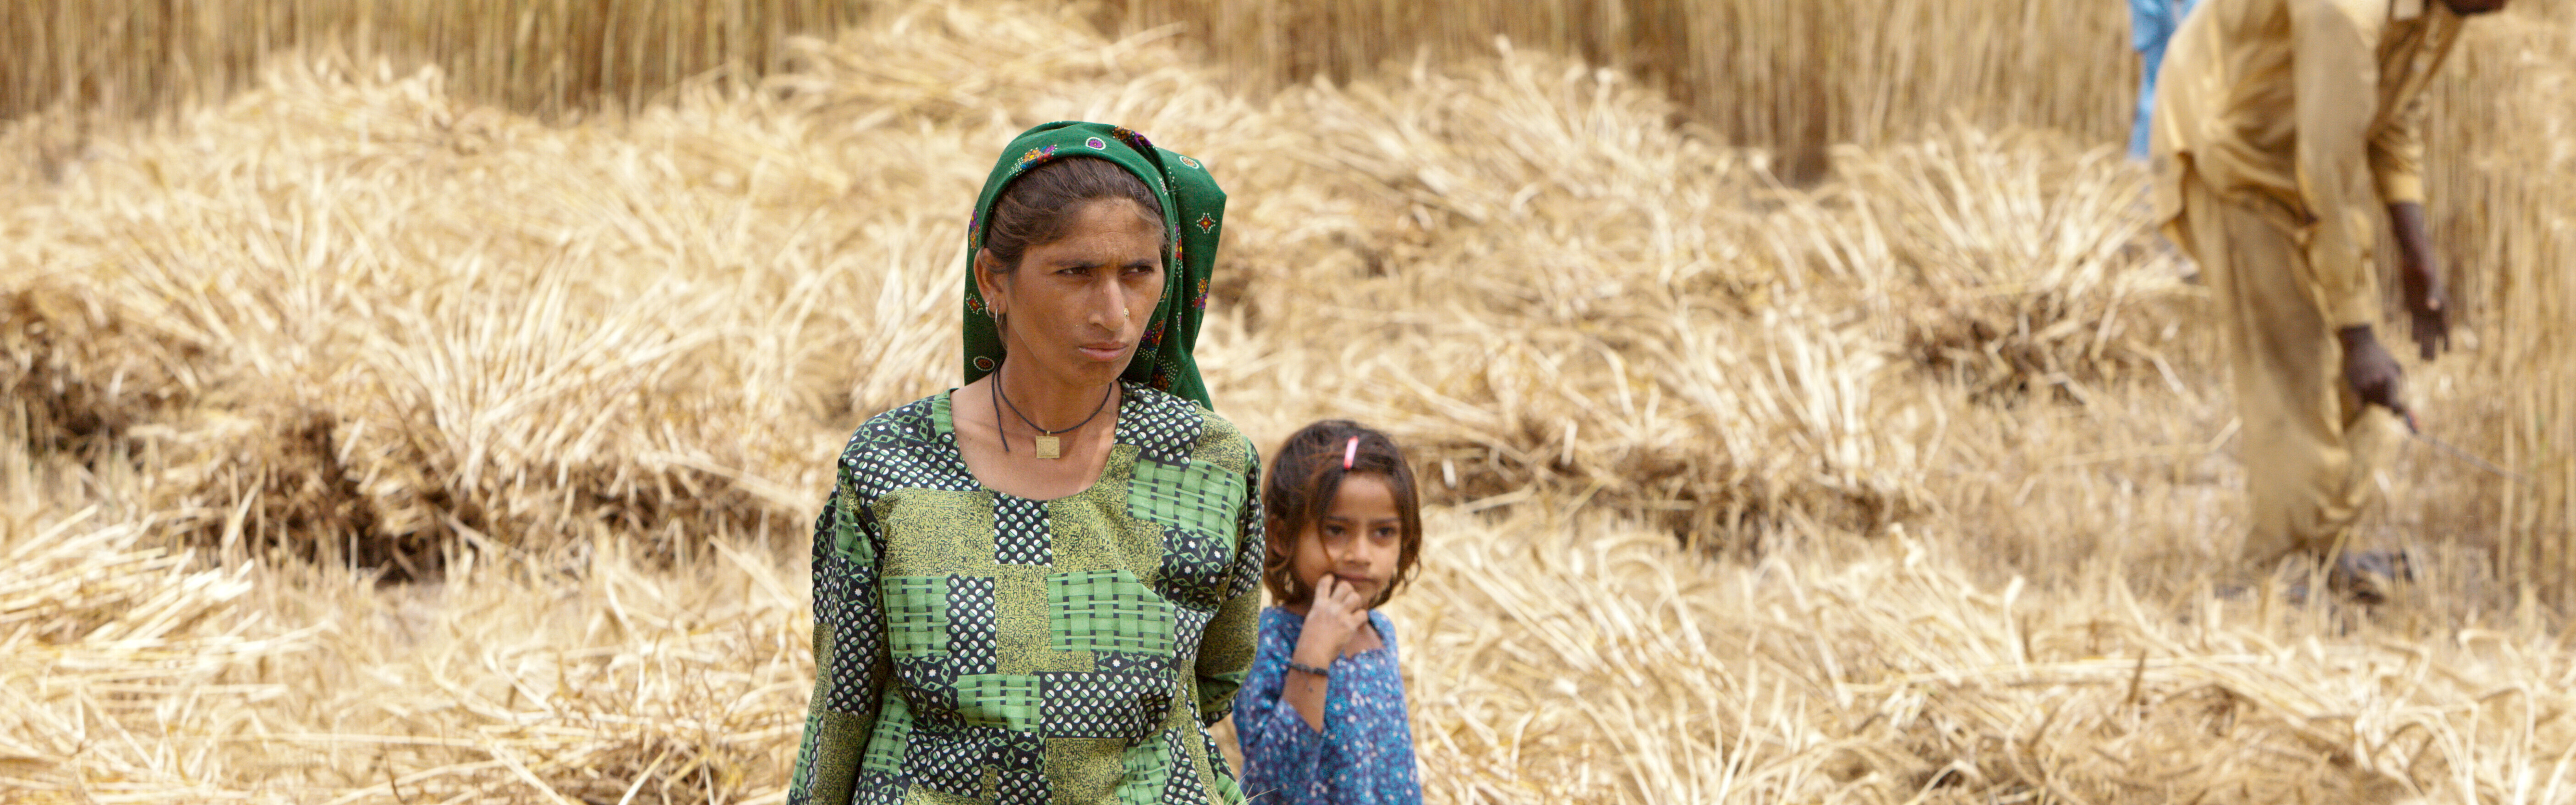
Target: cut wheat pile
[[1911, 484]]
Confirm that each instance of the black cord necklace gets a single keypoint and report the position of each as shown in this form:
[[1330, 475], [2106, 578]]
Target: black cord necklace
[[1048, 445]]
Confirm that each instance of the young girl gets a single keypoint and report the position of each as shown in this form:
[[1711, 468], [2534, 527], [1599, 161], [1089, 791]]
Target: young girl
[[1321, 718]]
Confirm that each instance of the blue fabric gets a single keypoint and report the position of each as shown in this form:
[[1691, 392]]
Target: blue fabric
[[1365, 753], [2151, 24]]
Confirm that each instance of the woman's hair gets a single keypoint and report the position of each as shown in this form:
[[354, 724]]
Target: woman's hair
[[1299, 491], [1038, 207]]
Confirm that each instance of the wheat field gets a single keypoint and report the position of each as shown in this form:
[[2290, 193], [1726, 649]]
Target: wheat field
[[390, 420]]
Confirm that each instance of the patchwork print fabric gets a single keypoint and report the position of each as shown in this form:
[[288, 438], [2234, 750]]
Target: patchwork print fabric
[[975, 646]]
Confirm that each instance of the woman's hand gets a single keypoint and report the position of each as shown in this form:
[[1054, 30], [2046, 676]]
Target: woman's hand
[[1336, 613]]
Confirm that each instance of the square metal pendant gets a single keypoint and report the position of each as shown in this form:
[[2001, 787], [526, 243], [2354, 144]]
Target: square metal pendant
[[1050, 447]]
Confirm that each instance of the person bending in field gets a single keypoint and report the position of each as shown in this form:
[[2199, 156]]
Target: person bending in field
[[2283, 128], [1041, 587], [1322, 718]]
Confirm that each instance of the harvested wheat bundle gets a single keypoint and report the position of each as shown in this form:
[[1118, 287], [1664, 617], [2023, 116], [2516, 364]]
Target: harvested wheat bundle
[[1534, 280], [440, 375], [2025, 271], [86, 371]]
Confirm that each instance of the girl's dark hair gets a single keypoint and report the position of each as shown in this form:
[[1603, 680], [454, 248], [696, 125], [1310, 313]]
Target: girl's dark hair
[[1037, 208], [1299, 491]]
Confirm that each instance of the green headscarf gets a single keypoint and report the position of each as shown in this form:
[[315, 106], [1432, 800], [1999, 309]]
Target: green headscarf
[[1193, 209]]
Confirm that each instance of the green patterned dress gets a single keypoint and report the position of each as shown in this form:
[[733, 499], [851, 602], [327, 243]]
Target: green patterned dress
[[975, 646]]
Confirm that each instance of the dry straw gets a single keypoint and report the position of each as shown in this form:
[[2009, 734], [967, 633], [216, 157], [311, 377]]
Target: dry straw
[[579, 382], [1796, 77], [553, 57]]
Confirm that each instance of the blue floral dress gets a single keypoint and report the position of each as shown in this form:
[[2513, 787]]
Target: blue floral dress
[[1365, 753]]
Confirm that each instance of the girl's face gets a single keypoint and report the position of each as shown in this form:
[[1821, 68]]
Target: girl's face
[[1078, 306], [1356, 540]]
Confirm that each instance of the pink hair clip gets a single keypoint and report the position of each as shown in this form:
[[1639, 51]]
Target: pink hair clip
[[1350, 453]]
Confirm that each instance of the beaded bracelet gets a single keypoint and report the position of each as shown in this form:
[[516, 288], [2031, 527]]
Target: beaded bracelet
[[1294, 665]]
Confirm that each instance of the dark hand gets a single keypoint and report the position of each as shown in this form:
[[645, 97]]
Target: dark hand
[[2428, 306], [2372, 372]]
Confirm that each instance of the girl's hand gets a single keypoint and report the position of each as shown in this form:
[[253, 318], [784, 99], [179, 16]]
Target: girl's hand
[[1335, 614]]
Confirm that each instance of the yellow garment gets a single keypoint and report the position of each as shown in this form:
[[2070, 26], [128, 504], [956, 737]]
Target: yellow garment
[[2308, 442], [2283, 130], [2285, 106]]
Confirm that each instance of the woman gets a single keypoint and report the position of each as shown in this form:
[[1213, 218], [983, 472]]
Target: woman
[[1039, 587]]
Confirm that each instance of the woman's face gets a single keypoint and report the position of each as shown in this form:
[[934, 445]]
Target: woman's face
[[1077, 307]]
